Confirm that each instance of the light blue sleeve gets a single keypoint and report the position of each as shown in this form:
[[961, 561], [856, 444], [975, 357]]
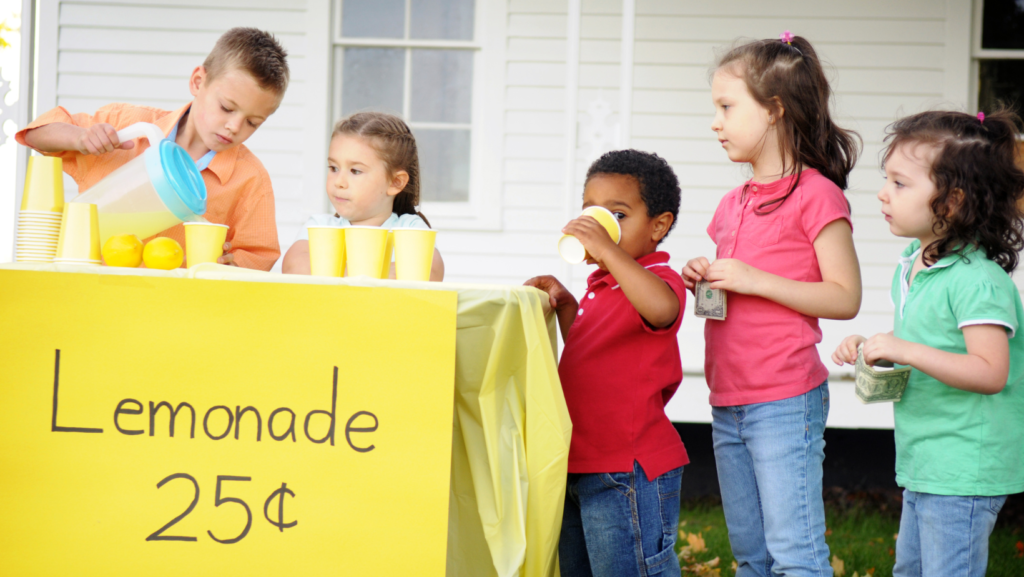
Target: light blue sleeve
[[411, 221], [315, 220]]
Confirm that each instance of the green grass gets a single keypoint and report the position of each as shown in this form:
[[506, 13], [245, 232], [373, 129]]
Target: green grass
[[861, 536]]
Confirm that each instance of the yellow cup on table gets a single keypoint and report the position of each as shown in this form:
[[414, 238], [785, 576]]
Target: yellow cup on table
[[326, 250], [364, 250], [414, 253], [389, 250], [44, 185], [79, 241], [572, 249], [204, 241]]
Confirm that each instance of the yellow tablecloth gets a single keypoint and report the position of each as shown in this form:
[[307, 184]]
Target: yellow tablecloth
[[511, 432]]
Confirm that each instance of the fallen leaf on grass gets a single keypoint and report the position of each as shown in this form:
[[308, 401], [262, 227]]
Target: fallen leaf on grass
[[828, 532], [696, 542], [891, 551], [871, 571], [705, 569], [735, 567], [1020, 549], [839, 567]]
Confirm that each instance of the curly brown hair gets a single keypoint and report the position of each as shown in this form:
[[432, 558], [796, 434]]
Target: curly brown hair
[[788, 78], [978, 182]]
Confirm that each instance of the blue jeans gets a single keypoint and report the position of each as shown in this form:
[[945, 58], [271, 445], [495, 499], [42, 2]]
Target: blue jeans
[[620, 525], [769, 458], [945, 535]]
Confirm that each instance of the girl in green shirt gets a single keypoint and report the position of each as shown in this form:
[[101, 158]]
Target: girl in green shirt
[[952, 185]]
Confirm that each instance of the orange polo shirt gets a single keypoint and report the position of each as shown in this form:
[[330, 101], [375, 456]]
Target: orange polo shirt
[[238, 188]]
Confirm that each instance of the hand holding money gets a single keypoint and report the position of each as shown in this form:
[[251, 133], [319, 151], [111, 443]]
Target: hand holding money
[[880, 383], [709, 303]]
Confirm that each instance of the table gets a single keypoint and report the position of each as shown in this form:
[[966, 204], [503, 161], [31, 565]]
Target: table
[[511, 428]]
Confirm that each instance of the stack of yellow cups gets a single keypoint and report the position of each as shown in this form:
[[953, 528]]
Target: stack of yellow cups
[[42, 204]]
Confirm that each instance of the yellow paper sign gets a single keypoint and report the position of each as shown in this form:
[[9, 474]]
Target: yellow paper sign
[[154, 426]]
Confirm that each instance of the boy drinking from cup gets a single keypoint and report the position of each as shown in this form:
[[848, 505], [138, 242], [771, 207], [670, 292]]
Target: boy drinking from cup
[[619, 368], [239, 85]]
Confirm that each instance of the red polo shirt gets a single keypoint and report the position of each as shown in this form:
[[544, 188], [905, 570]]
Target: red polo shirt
[[617, 375]]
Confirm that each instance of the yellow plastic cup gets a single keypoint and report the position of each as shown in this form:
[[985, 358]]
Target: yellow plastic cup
[[204, 242], [326, 250], [389, 250], [414, 253], [44, 185], [364, 249], [79, 233], [572, 249]]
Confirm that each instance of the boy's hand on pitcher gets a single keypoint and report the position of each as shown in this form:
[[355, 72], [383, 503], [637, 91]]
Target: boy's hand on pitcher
[[733, 275], [846, 352], [885, 346], [696, 269], [99, 139], [593, 236]]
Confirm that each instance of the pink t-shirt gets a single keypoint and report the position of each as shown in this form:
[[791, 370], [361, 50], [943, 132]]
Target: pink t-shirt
[[764, 351]]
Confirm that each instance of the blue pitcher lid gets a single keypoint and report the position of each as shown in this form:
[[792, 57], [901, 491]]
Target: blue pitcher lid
[[177, 180]]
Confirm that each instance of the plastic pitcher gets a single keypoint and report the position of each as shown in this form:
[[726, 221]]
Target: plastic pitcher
[[152, 192]]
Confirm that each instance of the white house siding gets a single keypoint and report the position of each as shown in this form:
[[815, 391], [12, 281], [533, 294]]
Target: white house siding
[[143, 51]]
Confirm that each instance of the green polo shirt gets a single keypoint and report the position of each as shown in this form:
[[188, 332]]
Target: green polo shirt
[[948, 441]]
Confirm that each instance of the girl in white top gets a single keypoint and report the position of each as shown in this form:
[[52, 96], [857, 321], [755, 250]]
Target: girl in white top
[[372, 180]]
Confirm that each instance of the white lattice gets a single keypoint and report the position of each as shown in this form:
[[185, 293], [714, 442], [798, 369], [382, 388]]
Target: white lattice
[[6, 112]]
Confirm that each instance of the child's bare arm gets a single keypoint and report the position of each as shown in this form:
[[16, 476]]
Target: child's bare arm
[[296, 260], [649, 294], [437, 268], [61, 136], [837, 296], [562, 301], [984, 369]]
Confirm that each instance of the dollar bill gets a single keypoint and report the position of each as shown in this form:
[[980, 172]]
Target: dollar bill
[[709, 303], [881, 383]]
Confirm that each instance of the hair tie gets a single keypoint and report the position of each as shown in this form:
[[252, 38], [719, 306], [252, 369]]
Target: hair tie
[[981, 117], [787, 37]]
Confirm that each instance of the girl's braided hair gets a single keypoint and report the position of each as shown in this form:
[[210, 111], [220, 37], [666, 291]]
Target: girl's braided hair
[[979, 185], [395, 144]]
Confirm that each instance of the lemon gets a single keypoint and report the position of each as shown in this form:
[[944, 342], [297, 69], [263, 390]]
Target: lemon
[[163, 253], [122, 250]]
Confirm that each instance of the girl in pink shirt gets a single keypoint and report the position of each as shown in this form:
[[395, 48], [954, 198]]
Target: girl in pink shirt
[[785, 256]]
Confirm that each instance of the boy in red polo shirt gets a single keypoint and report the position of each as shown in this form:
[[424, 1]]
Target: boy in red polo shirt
[[619, 368]]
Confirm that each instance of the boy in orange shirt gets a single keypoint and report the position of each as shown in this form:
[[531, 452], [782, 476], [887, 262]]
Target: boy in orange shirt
[[240, 84]]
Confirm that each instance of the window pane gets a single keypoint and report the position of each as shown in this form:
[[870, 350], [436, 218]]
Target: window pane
[[1001, 81], [1002, 24], [444, 164], [372, 78], [373, 18], [442, 83], [445, 19]]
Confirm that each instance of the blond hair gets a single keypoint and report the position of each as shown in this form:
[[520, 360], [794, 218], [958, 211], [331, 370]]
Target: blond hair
[[254, 51], [393, 141]]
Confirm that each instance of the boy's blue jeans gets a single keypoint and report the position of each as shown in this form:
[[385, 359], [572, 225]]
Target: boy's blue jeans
[[944, 535], [620, 525], [769, 458]]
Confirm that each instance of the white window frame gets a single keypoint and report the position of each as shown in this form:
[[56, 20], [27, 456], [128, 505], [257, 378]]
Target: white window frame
[[978, 53], [482, 211]]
